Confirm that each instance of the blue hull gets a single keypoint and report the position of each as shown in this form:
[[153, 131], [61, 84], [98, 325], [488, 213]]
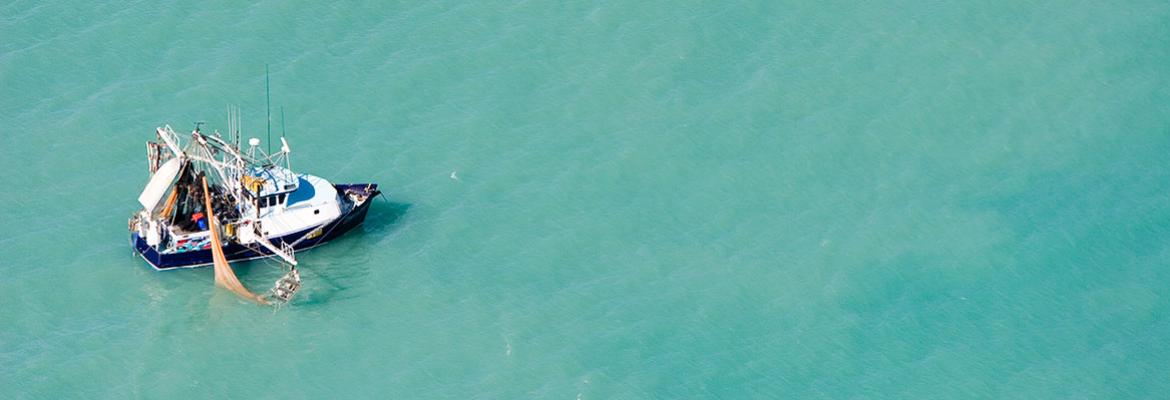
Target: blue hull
[[238, 252]]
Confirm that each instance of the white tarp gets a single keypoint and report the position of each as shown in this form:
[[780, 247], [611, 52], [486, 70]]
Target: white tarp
[[159, 183]]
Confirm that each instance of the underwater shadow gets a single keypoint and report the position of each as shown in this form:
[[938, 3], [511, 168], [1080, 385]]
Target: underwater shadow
[[342, 267], [383, 215]]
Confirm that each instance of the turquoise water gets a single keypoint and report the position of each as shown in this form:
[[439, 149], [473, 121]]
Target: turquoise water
[[655, 199]]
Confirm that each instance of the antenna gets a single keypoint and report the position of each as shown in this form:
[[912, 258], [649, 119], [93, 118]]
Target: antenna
[[282, 122], [268, 104], [231, 125], [236, 126]]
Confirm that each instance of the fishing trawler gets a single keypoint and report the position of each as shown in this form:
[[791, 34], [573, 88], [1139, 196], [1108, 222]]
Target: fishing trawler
[[211, 198]]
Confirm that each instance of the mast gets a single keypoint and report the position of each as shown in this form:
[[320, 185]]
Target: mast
[[268, 105]]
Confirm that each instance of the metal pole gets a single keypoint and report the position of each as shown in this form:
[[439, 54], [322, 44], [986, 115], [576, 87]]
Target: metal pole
[[268, 105]]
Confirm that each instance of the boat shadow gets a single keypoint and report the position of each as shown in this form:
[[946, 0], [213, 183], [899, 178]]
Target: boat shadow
[[340, 269], [383, 216]]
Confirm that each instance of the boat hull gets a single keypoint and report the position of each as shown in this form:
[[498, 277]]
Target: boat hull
[[300, 240]]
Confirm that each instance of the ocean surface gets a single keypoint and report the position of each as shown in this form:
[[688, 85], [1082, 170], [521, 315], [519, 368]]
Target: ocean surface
[[655, 199]]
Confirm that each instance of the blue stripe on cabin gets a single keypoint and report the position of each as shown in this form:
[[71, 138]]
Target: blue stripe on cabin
[[304, 192]]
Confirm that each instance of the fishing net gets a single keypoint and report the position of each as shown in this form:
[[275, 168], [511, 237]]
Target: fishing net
[[225, 277]]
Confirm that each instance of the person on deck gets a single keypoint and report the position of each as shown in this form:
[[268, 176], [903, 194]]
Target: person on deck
[[198, 219]]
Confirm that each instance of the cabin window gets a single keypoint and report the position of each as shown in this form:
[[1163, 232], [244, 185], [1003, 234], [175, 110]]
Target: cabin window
[[269, 201]]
